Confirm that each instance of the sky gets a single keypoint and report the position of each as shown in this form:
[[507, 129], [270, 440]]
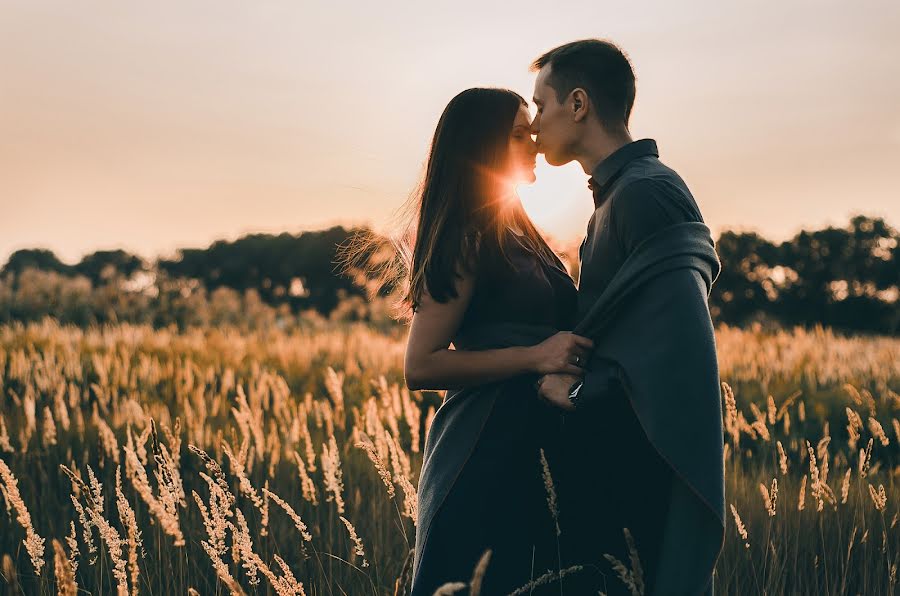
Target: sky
[[152, 126]]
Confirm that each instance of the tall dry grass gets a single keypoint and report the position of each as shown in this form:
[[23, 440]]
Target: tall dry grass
[[224, 461]]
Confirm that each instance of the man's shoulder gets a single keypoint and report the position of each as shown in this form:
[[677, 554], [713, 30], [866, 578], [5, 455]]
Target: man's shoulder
[[636, 193], [653, 186], [649, 175]]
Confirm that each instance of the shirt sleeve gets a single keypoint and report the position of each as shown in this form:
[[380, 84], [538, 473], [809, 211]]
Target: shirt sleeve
[[602, 378], [640, 210]]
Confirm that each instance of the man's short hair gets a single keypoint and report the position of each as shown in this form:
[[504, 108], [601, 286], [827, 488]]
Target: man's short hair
[[599, 67]]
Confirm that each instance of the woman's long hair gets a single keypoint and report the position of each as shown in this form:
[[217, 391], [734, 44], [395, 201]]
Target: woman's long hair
[[453, 223]]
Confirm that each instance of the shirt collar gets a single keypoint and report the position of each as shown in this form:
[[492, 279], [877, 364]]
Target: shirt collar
[[609, 169]]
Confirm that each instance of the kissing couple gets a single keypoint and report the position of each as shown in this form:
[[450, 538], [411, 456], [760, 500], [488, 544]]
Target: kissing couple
[[580, 423]]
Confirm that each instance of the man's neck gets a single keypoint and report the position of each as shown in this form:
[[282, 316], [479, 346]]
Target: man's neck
[[599, 146]]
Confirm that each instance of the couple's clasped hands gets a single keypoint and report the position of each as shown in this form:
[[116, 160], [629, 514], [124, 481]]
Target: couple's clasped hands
[[560, 359]]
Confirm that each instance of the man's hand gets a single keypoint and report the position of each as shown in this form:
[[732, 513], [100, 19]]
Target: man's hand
[[555, 389]]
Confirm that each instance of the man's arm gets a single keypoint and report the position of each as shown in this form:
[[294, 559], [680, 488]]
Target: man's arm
[[598, 381], [604, 376]]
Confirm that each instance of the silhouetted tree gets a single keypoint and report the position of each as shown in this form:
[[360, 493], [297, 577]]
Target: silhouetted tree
[[297, 270], [34, 258], [741, 289], [846, 278], [101, 265]]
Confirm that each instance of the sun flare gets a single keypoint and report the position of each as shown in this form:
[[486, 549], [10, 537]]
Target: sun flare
[[559, 202]]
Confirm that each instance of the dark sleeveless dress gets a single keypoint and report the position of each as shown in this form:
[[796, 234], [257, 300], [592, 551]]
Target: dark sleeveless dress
[[499, 502]]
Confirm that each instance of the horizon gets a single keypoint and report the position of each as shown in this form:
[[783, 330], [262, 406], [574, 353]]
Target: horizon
[[154, 128], [172, 253]]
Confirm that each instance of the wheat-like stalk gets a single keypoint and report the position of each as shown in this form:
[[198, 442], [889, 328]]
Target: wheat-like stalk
[[815, 484], [307, 486], [637, 571], [865, 459], [162, 507], [550, 577], [731, 414], [65, 575], [450, 588], [801, 498], [34, 544], [93, 493], [854, 425], [770, 497], [331, 469], [48, 435], [72, 541], [357, 541], [879, 497], [298, 523], [478, 573], [551, 492], [368, 446], [878, 431], [782, 459], [5, 444], [740, 527], [133, 533], [287, 583]]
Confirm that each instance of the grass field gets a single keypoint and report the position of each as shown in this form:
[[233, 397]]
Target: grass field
[[146, 461]]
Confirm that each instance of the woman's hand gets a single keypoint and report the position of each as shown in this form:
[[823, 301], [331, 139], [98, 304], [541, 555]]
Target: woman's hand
[[564, 352]]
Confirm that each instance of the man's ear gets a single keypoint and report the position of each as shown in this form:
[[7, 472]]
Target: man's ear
[[579, 104]]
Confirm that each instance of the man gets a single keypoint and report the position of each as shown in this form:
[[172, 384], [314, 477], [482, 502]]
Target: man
[[621, 465]]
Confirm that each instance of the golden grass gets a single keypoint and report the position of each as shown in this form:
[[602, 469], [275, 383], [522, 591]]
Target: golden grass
[[287, 462]]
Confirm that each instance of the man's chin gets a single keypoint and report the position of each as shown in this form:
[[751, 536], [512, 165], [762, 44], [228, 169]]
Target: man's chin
[[556, 160]]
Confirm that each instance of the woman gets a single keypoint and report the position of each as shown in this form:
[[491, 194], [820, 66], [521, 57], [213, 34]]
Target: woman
[[479, 264]]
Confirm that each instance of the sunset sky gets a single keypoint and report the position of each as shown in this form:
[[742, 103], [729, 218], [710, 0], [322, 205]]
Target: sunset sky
[[157, 125]]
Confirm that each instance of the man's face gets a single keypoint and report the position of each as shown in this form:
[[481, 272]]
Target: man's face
[[554, 122]]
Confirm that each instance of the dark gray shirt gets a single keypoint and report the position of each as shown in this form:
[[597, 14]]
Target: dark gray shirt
[[635, 195]]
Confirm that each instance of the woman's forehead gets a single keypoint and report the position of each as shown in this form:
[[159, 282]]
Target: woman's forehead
[[523, 116]]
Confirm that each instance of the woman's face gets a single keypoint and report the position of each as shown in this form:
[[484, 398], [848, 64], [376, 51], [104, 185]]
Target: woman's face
[[522, 149]]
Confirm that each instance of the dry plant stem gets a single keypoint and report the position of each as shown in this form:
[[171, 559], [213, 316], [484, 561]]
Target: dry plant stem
[[346, 562]]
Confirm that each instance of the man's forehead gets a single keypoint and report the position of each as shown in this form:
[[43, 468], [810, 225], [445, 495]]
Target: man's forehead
[[540, 82]]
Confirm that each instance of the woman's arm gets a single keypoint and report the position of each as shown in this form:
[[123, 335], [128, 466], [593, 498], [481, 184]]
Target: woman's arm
[[431, 364]]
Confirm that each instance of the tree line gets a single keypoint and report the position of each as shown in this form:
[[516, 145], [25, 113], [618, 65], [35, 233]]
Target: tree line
[[846, 278]]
